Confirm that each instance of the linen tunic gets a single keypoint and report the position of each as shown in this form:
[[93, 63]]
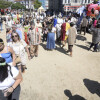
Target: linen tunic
[[19, 49], [72, 36], [34, 36]]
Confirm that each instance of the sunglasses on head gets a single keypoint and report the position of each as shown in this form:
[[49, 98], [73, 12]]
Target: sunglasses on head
[[14, 36]]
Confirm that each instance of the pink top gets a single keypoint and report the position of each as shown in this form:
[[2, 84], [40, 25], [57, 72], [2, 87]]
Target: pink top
[[95, 23]]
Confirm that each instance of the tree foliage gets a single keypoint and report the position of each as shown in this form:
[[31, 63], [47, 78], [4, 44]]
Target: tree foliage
[[37, 4], [18, 6], [4, 4]]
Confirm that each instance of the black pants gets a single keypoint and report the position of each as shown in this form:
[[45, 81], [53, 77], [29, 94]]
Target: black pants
[[44, 37], [14, 96], [70, 48], [84, 30], [95, 46], [2, 96]]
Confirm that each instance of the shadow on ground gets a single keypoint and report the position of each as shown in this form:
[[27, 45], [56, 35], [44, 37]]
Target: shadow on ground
[[81, 46], [80, 37], [44, 46], [62, 50], [73, 97], [92, 86]]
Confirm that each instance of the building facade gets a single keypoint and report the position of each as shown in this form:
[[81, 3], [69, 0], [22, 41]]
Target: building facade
[[55, 5], [67, 5], [27, 3], [72, 5]]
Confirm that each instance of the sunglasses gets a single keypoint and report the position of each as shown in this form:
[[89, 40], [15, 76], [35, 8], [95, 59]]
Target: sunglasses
[[14, 36]]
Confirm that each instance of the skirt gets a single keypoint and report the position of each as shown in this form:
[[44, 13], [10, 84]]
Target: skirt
[[50, 41]]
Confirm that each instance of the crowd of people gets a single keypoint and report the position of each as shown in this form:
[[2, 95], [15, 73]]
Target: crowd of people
[[25, 32]]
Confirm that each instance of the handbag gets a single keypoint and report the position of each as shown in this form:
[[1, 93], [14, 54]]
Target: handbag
[[17, 59]]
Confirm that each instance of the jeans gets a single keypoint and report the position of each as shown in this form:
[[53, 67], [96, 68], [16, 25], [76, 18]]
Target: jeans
[[1, 26]]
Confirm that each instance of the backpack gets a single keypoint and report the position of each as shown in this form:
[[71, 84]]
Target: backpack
[[10, 71], [2, 97]]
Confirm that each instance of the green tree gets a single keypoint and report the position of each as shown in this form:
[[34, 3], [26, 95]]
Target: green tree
[[37, 4], [18, 6], [4, 4]]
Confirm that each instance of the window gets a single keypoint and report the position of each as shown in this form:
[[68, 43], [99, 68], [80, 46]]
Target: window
[[68, 1], [75, 1]]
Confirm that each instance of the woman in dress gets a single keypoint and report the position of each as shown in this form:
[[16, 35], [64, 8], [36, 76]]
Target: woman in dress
[[19, 47], [39, 26], [7, 53], [10, 79], [34, 40], [50, 39]]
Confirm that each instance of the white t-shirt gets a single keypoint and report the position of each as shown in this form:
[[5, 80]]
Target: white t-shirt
[[59, 20], [19, 47], [9, 81], [53, 30], [37, 25]]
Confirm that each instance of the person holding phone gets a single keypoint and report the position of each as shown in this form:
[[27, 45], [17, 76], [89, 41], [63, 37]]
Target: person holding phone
[[10, 79]]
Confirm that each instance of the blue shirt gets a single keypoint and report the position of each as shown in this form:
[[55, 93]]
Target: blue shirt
[[19, 33]]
